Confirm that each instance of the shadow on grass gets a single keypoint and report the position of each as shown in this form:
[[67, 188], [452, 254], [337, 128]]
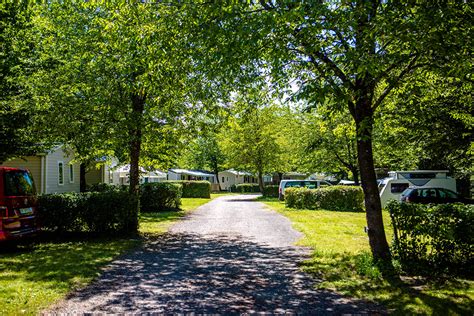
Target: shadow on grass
[[354, 276], [61, 262]]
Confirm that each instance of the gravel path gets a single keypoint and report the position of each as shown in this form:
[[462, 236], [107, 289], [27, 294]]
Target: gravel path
[[230, 256]]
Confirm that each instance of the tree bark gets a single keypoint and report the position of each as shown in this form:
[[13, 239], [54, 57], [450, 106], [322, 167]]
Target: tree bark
[[138, 105], [82, 177], [376, 231], [260, 181]]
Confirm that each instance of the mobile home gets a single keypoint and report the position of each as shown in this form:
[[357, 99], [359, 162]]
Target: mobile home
[[392, 187]]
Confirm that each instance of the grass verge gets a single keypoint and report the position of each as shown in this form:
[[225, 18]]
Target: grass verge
[[36, 275], [341, 258], [159, 222]]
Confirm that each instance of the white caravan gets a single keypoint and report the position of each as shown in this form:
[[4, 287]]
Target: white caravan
[[392, 187]]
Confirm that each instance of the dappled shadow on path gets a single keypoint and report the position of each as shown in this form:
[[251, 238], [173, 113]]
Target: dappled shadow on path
[[183, 273]]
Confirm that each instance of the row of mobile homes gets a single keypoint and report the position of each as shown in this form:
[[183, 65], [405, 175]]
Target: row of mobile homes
[[191, 175], [122, 175], [392, 187], [232, 177]]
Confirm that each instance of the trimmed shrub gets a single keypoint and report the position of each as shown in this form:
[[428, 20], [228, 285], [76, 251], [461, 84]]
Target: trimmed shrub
[[195, 189], [61, 212], [98, 212], [110, 212], [333, 198], [160, 196], [106, 187], [270, 191], [245, 188], [433, 239]]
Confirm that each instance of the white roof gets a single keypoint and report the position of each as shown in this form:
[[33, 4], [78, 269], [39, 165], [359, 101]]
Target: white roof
[[238, 173], [192, 172], [346, 182], [124, 170], [421, 171]]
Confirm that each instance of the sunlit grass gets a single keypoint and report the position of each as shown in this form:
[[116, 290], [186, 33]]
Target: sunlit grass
[[35, 276], [341, 258]]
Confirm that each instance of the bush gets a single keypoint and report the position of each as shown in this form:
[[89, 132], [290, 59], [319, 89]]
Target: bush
[[195, 189], [98, 212], [433, 238], [245, 188], [160, 196], [61, 212], [270, 191], [334, 198], [105, 187]]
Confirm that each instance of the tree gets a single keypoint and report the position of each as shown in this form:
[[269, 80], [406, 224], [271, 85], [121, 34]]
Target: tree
[[205, 152], [119, 81], [329, 141], [250, 140], [17, 137], [428, 125], [356, 52]]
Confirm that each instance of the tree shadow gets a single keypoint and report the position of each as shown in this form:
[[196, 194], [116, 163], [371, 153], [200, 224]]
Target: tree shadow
[[183, 273], [400, 296]]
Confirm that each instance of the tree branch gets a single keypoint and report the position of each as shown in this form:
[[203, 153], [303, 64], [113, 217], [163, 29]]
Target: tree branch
[[395, 82]]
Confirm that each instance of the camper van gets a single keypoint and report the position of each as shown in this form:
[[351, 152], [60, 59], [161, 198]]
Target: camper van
[[392, 187], [17, 204]]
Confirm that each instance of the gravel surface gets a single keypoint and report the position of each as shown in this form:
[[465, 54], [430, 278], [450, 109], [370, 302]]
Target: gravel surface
[[230, 256]]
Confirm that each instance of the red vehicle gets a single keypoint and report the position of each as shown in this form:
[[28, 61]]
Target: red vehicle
[[18, 204]]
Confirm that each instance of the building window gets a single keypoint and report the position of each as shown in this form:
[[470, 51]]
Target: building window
[[60, 173], [71, 173], [223, 180]]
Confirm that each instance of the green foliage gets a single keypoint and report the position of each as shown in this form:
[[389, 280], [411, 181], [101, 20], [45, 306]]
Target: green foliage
[[195, 189], [17, 115], [433, 238], [105, 187], [251, 140], [111, 212], [160, 196], [245, 188], [61, 212], [270, 191], [335, 198]]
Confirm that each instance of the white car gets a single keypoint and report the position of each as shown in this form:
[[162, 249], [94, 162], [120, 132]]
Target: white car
[[310, 184]]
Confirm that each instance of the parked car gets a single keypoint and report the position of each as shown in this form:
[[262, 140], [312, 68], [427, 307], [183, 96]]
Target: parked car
[[433, 195], [18, 204], [310, 184]]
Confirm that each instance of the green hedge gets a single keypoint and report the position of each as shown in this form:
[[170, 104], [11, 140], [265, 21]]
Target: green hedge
[[430, 239], [270, 191], [334, 198], [96, 212], [106, 187], [160, 196], [245, 188], [195, 189]]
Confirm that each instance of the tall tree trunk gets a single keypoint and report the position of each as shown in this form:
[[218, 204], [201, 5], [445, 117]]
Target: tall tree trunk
[[216, 173], [364, 124], [82, 177], [138, 104], [260, 180], [362, 111]]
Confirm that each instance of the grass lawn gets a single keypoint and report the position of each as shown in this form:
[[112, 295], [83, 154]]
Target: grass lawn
[[35, 276], [341, 257]]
